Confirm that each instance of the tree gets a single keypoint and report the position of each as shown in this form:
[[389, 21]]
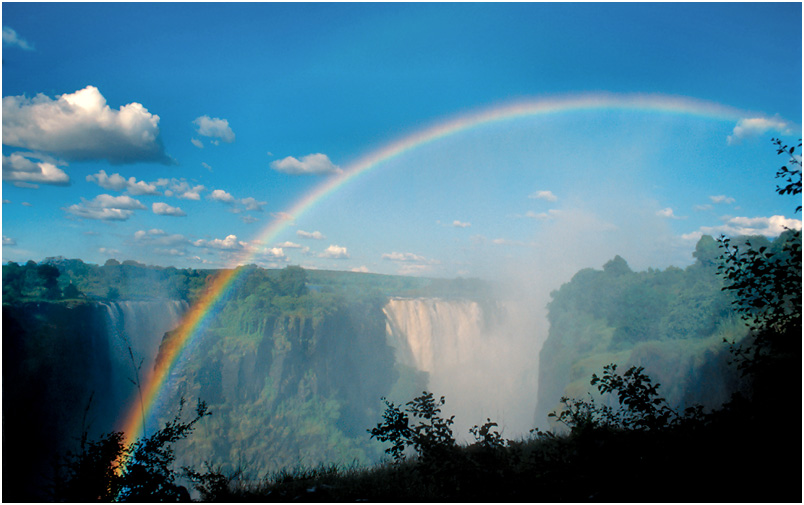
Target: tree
[[109, 470], [766, 282], [49, 276], [292, 281]]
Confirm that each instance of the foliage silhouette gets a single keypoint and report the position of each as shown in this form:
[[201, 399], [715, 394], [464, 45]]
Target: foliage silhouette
[[110, 470]]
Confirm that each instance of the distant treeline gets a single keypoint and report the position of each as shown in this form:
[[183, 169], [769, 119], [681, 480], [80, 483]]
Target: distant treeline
[[57, 278]]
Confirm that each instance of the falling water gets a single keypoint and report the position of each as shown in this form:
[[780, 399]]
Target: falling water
[[486, 365]]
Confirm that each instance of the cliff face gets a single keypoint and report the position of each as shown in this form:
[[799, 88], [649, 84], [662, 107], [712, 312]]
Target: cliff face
[[66, 369]]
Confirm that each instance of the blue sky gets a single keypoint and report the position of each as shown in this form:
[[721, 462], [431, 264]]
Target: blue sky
[[173, 134]]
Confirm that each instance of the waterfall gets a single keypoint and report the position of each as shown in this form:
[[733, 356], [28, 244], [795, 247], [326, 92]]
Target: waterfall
[[486, 365], [135, 329]]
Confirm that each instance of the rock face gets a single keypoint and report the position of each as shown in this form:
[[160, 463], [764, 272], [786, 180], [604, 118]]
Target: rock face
[[66, 369]]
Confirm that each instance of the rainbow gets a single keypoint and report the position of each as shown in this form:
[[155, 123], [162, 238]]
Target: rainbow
[[205, 308]]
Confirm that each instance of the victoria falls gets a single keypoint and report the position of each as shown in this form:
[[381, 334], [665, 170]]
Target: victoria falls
[[401, 252]]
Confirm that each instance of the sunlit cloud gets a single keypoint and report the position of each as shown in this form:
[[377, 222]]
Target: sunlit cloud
[[312, 164], [164, 209], [180, 188], [335, 252], [752, 127], [106, 208], [23, 171], [11, 38], [80, 126], [543, 195], [215, 128]]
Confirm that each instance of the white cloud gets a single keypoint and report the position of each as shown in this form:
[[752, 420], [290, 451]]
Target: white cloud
[[181, 189], [106, 208], [9, 241], [19, 169], [206, 165], [197, 143], [290, 245], [668, 213], [317, 235], [552, 213], [253, 204], [230, 243], [80, 126], [721, 199], [11, 38], [703, 207], [275, 253], [248, 219], [733, 226], [221, 196], [460, 224], [361, 269], [156, 237], [117, 182], [404, 257], [215, 128], [311, 164], [164, 209], [543, 195], [752, 127], [335, 252]]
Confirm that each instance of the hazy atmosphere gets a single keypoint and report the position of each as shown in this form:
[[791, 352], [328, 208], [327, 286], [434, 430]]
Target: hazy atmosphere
[[301, 214]]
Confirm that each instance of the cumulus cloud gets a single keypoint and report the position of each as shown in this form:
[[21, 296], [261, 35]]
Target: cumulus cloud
[[733, 226], [274, 253], [316, 235], [460, 224], [312, 164], [117, 182], [230, 243], [221, 196], [164, 209], [23, 171], [543, 195], [335, 252], [215, 128], [9, 241], [10, 38], [752, 127], [80, 126], [106, 208]]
